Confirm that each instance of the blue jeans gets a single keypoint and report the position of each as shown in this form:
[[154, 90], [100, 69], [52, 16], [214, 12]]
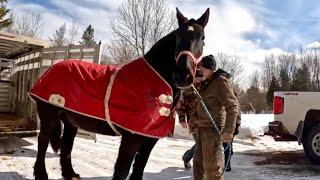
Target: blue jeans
[[227, 152]]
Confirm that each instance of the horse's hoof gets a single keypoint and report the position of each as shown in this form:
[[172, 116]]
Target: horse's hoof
[[74, 177], [43, 177]]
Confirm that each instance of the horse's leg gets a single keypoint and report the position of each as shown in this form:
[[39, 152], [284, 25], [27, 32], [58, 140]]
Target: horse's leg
[[130, 144], [142, 157], [43, 141], [49, 126], [69, 134]]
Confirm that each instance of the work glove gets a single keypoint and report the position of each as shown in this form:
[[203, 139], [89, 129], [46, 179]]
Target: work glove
[[225, 137]]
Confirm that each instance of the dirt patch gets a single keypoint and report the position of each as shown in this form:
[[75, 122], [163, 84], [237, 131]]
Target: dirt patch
[[292, 171], [281, 158], [285, 163], [10, 123]]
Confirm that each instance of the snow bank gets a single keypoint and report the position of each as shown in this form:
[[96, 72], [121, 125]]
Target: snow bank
[[252, 126]]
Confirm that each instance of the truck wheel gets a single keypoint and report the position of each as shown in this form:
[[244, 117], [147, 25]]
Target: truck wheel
[[311, 144]]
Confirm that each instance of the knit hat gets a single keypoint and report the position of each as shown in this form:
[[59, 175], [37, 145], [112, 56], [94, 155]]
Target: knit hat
[[208, 62]]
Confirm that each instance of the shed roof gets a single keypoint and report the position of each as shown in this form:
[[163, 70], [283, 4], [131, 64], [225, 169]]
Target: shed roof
[[13, 45]]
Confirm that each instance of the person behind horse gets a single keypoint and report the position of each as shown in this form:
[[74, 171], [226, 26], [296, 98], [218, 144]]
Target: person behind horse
[[228, 150], [185, 111], [218, 96]]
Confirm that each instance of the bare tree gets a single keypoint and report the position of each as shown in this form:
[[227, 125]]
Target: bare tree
[[269, 70], [255, 79], [58, 38], [164, 20], [232, 65], [117, 52], [286, 69], [141, 23], [311, 58], [315, 71], [73, 31], [288, 62], [28, 23]]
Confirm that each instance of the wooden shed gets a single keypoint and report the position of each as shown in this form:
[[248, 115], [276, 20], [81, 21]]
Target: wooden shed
[[23, 60]]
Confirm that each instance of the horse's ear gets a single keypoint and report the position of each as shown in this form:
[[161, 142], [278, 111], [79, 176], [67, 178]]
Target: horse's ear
[[181, 19], [203, 20]]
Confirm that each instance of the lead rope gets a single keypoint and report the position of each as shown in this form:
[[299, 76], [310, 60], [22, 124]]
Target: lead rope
[[215, 127]]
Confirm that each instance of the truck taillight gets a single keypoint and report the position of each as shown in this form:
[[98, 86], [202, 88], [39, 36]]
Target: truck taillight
[[277, 105]]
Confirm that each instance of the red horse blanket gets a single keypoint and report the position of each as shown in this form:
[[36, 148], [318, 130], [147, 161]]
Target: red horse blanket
[[133, 96]]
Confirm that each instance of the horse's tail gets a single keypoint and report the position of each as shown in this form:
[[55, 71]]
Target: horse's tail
[[55, 137]]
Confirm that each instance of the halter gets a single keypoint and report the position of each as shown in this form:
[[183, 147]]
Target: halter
[[194, 60]]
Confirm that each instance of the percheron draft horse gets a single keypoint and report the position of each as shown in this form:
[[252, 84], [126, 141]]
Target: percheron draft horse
[[171, 64]]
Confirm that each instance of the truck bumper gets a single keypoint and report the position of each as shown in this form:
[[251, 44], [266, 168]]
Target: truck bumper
[[277, 130]]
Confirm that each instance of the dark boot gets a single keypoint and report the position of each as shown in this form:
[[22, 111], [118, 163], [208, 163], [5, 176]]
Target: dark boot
[[187, 165], [228, 167], [187, 156]]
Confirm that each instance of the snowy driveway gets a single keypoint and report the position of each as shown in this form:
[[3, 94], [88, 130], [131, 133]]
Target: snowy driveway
[[257, 159]]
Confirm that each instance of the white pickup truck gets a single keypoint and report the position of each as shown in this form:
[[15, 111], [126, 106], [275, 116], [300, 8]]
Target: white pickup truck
[[297, 117]]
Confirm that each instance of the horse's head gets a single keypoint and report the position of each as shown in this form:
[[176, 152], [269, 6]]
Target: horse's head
[[189, 46]]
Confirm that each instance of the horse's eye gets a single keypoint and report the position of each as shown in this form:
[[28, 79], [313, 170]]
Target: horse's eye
[[202, 38]]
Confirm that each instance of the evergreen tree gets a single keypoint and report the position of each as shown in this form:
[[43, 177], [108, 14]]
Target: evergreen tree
[[59, 37], [301, 79], [255, 99], [284, 80], [4, 22], [88, 36], [274, 86]]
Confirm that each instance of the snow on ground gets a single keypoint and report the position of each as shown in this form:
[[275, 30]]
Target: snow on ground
[[252, 126], [258, 158]]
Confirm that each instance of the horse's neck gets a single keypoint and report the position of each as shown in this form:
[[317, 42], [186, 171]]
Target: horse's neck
[[161, 56]]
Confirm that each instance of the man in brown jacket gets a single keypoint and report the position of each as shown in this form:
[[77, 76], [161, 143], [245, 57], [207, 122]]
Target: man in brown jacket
[[219, 97]]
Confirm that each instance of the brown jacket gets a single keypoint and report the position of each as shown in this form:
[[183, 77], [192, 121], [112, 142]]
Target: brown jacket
[[221, 102]]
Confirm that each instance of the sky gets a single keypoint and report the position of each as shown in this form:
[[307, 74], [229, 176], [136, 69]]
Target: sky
[[250, 29]]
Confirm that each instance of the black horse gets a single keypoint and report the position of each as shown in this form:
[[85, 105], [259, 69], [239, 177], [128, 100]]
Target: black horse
[[173, 57]]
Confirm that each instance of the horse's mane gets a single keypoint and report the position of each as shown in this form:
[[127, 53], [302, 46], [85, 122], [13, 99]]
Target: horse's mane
[[161, 56]]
